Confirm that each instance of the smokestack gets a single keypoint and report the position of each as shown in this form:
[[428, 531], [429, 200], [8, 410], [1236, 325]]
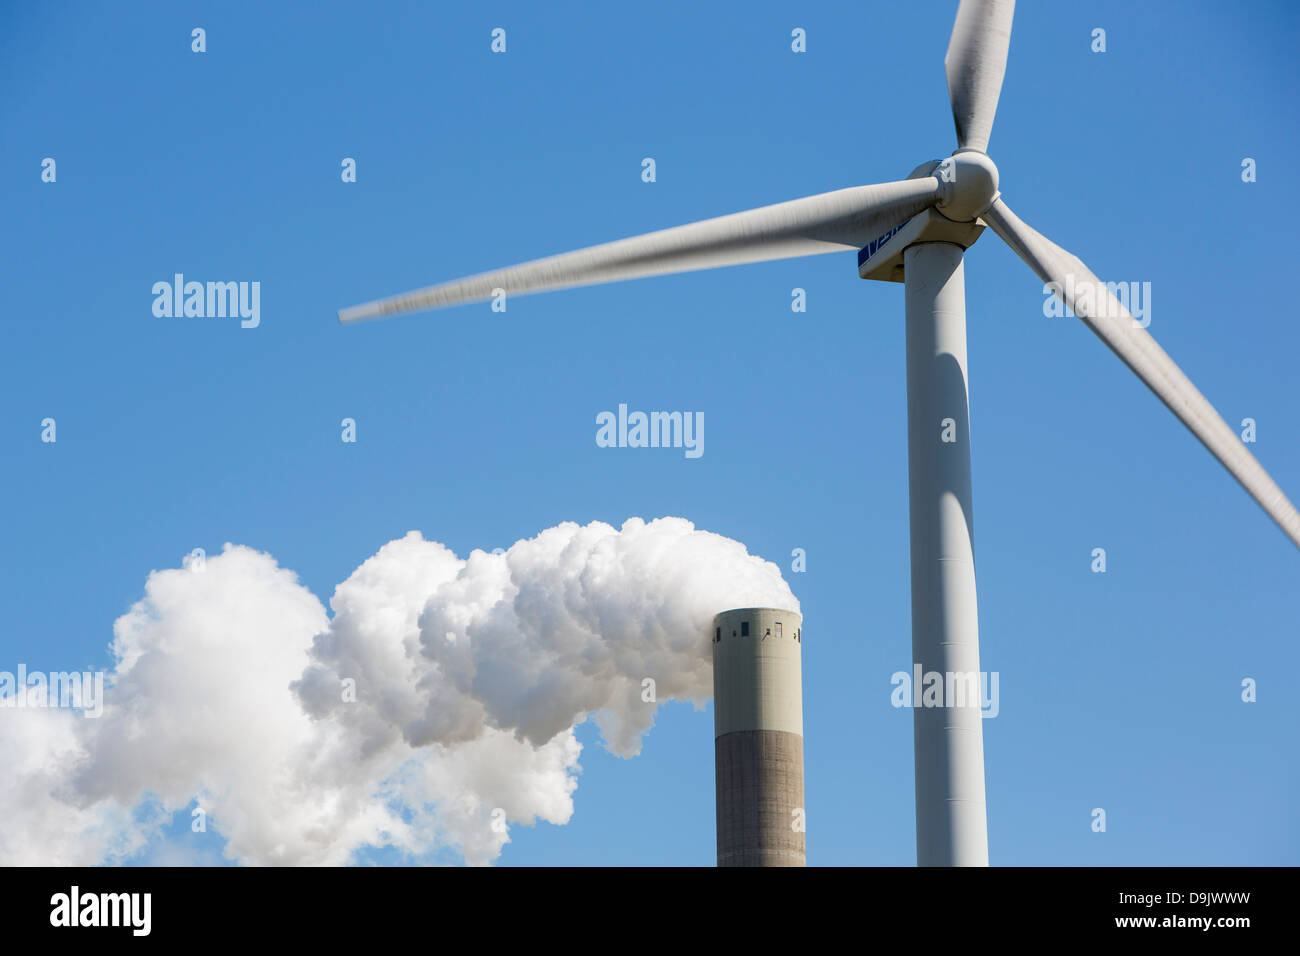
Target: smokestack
[[758, 737]]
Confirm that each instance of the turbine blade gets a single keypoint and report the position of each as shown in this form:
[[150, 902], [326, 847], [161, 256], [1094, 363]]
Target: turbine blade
[[829, 222], [1091, 300], [975, 64]]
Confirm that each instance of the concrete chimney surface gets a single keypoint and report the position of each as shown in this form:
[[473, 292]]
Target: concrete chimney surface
[[758, 737]]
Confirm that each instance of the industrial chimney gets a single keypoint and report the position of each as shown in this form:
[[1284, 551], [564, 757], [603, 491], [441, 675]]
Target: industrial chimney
[[758, 737]]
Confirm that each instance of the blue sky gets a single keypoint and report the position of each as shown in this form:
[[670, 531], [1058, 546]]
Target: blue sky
[[1118, 690]]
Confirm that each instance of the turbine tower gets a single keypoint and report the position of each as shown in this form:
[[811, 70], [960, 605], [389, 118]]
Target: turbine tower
[[915, 231]]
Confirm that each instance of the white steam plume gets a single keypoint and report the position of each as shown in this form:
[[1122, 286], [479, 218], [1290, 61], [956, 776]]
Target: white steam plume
[[438, 703]]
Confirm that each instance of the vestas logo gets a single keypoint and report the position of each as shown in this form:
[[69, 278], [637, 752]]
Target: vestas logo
[[871, 248]]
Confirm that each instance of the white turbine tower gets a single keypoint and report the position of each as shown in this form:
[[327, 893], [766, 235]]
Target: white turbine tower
[[915, 230]]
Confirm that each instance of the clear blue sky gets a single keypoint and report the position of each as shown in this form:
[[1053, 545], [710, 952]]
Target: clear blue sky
[[1118, 690]]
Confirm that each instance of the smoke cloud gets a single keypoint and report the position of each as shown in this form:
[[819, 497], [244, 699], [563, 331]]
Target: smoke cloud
[[436, 706]]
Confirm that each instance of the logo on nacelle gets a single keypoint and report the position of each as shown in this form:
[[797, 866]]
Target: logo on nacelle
[[875, 245]]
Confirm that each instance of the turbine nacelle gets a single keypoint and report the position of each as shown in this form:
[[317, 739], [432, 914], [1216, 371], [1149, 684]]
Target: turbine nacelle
[[966, 184]]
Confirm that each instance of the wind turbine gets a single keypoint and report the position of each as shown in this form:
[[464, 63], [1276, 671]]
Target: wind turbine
[[914, 231]]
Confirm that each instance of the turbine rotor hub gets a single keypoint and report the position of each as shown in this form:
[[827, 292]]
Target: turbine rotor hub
[[968, 181]]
